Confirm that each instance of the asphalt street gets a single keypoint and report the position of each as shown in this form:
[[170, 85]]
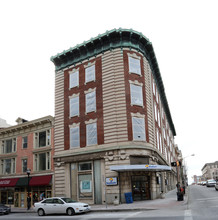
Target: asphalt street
[[202, 204]]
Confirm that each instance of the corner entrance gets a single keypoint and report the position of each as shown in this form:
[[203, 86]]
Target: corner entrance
[[140, 188]]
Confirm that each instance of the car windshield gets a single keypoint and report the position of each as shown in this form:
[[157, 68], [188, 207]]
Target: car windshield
[[68, 200]]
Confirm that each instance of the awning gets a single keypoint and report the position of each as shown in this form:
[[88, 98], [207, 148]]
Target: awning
[[144, 167], [22, 181], [8, 182], [40, 180]]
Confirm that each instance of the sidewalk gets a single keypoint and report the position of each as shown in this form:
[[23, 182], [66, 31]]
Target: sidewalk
[[169, 201]]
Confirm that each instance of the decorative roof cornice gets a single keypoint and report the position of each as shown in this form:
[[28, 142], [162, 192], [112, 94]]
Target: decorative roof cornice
[[116, 38], [28, 124]]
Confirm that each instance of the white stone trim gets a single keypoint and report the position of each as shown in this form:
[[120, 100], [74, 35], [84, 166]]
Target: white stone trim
[[74, 125], [73, 70], [91, 121], [133, 55], [74, 95], [136, 82], [90, 64], [137, 115], [90, 90]]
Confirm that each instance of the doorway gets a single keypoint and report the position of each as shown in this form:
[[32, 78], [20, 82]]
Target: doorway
[[140, 188]]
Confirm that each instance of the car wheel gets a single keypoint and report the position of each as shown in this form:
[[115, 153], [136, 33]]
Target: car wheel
[[216, 189], [41, 212], [70, 211]]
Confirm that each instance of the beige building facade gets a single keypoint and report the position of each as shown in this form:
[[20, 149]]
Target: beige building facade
[[114, 135]]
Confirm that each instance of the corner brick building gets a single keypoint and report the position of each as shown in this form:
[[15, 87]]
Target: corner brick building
[[113, 129]]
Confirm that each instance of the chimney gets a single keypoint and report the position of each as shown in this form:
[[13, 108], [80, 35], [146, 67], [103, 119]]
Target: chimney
[[21, 121]]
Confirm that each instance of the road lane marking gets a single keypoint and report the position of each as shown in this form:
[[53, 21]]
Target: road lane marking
[[188, 215], [130, 215], [203, 199]]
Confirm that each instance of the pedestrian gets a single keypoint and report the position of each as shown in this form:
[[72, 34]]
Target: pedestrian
[[178, 186]]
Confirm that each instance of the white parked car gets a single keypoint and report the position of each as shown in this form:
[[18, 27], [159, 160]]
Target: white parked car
[[58, 205], [211, 182]]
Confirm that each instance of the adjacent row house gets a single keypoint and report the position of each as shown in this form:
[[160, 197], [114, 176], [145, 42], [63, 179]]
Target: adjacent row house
[[27, 145], [210, 171]]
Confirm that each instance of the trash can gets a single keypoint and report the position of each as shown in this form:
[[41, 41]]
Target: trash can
[[128, 197], [179, 196]]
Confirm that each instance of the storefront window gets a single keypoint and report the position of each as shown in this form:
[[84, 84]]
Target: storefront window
[[35, 197], [85, 186], [3, 197], [41, 195], [85, 166], [10, 197]]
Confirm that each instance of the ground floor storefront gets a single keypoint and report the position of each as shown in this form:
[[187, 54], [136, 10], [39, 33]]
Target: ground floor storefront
[[110, 178], [14, 191]]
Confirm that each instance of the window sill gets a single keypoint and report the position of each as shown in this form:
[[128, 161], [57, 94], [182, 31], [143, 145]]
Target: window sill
[[135, 73], [89, 81], [42, 149], [86, 113], [73, 116], [137, 105], [74, 87]]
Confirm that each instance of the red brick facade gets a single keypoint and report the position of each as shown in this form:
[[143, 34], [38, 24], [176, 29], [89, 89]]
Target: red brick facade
[[134, 109], [82, 114]]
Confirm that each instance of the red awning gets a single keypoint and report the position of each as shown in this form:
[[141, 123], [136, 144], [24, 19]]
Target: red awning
[[40, 180], [8, 182]]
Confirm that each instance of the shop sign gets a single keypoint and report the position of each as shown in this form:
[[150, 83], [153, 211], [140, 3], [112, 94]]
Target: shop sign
[[111, 181], [5, 182]]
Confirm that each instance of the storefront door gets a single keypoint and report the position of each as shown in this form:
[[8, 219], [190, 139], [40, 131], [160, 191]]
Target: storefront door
[[22, 199], [140, 188], [16, 199]]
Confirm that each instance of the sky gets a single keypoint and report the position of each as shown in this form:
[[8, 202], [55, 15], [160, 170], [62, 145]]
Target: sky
[[184, 37]]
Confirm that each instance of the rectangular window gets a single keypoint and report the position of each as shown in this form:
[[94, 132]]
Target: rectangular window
[[74, 106], [91, 134], [85, 166], [134, 65], [154, 87], [8, 146], [155, 111], [8, 166], [161, 148], [42, 161], [42, 139], [90, 102], [158, 141], [136, 95], [25, 140], [24, 165], [138, 126], [14, 144], [158, 114], [74, 79], [90, 73], [74, 137]]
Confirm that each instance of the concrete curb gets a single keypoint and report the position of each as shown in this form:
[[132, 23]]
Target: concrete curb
[[158, 204]]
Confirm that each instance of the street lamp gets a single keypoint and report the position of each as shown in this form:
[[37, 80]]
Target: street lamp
[[28, 189]]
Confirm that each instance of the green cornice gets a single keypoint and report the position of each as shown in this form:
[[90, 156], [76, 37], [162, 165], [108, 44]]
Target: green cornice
[[116, 38]]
